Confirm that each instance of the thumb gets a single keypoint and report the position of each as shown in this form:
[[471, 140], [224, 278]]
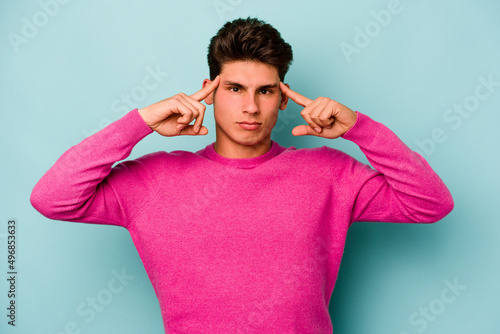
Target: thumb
[[303, 130], [189, 131]]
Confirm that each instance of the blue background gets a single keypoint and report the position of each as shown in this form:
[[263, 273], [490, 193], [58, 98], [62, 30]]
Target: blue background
[[66, 67]]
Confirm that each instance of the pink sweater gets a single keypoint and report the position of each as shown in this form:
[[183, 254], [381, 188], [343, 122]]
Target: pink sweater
[[241, 245]]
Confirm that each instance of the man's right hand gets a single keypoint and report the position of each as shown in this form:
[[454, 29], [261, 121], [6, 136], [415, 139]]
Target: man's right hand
[[171, 117]]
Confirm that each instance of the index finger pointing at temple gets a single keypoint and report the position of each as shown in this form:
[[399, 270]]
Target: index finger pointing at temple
[[296, 97], [207, 90]]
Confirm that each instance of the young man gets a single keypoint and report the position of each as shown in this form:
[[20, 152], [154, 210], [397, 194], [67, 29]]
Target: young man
[[244, 235]]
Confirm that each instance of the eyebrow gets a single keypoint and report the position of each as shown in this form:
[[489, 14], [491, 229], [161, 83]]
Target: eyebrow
[[236, 84]]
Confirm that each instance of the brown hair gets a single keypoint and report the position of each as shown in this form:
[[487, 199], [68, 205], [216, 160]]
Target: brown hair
[[249, 39]]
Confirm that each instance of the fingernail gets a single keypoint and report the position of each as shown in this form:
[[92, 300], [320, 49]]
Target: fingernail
[[196, 129], [317, 129], [180, 127]]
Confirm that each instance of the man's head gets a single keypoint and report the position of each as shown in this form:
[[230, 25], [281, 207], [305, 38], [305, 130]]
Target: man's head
[[251, 59], [249, 39]]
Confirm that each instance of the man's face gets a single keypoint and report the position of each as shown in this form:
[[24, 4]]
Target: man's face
[[248, 91]]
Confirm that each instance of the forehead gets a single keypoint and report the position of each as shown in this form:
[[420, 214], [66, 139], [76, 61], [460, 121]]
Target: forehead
[[250, 73]]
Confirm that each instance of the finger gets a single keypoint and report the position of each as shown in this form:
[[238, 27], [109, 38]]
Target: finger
[[207, 90], [296, 97], [190, 131], [194, 104], [308, 111], [327, 117], [198, 111], [187, 111], [304, 130], [201, 112], [199, 119], [322, 112]]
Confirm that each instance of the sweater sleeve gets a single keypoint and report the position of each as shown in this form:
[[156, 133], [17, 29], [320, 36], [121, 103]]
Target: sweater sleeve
[[82, 186], [403, 187]]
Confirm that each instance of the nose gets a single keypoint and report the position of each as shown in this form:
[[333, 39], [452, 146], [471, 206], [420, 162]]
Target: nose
[[250, 105]]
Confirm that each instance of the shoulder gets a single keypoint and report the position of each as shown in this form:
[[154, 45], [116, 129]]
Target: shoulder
[[321, 160], [340, 164], [321, 154], [157, 161]]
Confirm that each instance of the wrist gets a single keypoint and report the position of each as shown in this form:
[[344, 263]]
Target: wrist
[[353, 123], [353, 120]]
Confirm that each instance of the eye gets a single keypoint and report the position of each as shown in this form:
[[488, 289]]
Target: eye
[[234, 89], [265, 91]]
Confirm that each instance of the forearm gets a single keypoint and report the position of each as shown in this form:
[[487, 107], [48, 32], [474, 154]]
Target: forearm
[[406, 187], [66, 190]]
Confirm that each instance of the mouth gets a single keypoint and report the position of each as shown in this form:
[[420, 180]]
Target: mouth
[[249, 125]]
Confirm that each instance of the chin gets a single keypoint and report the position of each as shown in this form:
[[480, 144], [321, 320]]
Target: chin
[[249, 140]]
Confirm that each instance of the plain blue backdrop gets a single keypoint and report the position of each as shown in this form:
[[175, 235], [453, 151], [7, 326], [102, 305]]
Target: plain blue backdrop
[[429, 70]]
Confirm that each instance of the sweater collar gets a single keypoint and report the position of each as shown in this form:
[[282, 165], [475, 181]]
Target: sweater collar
[[210, 153]]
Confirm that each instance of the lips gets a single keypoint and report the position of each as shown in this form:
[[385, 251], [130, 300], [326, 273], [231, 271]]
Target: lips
[[249, 125]]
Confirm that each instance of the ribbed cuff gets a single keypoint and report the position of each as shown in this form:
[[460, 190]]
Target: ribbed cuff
[[363, 131], [138, 126]]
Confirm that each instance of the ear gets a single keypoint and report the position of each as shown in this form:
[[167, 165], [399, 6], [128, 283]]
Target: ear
[[210, 98], [284, 99]]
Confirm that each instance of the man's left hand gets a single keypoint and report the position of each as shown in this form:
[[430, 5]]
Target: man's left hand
[[326, 118]]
